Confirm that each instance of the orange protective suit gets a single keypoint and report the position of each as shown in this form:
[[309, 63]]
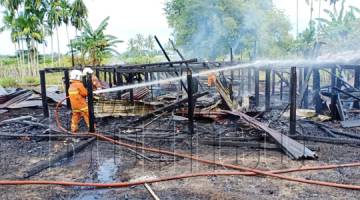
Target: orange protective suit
[[211, 79], [96, 83], [77, 95]]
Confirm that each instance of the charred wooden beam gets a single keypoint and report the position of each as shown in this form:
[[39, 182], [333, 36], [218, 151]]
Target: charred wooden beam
[[316, 89], [291, 147], [249, 74], [281, 89], [257, 87], [168, 107], [357, 84], [168, 59], [191, 103], [267, 89], [67, 85], [305, 91], [44, 164], [346, 93], [43, 94], [292, 101], [91, 104]]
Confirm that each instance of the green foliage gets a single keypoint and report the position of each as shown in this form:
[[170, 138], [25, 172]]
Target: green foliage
[[94, 44], [304, 44], [8, 82], [208, 28], [31, 80], [340, 29], [141, 50]]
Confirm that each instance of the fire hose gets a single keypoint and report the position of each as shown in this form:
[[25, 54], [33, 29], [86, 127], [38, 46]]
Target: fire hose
[[246, 171]]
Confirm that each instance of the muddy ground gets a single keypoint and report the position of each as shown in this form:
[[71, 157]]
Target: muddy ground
[[103, 162]]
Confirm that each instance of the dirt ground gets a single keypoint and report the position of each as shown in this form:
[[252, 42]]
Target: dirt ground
[[103, 162]]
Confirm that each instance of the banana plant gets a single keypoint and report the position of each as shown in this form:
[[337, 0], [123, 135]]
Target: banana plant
[[94, 44]]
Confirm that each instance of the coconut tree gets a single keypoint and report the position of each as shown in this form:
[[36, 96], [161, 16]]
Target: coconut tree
[[9, 24], [78, 14], [65, 15], [54, 20], [95, 44]]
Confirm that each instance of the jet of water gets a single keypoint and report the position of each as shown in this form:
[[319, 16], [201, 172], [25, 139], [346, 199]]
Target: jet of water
[[338, 59]]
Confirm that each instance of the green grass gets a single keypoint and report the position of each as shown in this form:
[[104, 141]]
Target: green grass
[[8, 82]]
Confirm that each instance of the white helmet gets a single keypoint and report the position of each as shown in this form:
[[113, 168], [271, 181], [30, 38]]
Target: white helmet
[[87, 70], [75, 75]]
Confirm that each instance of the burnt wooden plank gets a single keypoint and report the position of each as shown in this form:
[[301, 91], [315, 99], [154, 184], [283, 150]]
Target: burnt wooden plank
[[291, 147]]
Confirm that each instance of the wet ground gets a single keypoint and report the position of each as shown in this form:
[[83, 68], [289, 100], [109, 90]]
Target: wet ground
[[103, 162]]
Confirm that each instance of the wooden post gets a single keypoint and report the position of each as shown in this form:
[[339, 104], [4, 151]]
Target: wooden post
[[333, 78], [334, 97], [110, 79], [306, 90], [256, 86], [97, 73], [292, 99], [91, 104], [119, 82], [249, 79], [105, 76], [67, 85], [43, 94], [131, 81], [357, 84], [300, 79], [190, 101], [316, 89], [267, 89], [273, 82], [114, 76], [281, 87]]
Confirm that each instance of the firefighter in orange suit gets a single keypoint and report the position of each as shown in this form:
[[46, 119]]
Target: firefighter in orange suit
[[95, 81], [77, 95], [211, 79]]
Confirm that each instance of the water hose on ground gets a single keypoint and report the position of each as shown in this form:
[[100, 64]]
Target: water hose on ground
[[246, 170]]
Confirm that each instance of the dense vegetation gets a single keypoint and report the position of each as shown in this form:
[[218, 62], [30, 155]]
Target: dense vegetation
[[204, 29], [212, 27]]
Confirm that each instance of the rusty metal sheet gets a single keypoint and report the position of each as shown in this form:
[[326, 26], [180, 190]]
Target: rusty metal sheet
[[26, 104]]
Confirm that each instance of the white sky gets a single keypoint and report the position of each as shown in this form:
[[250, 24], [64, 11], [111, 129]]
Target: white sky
[[129, 17]]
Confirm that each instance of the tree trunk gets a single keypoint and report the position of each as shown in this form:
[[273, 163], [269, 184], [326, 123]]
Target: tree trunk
[[22, 52], [37, 59], [67, 33], [58, 45], [52, 49], [17, 61]]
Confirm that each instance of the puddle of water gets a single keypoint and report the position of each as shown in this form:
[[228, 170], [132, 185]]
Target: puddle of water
[[107, 171], [105, 174]]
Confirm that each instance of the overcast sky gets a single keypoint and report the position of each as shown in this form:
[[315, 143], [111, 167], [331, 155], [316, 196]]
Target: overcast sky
[[129, 17]]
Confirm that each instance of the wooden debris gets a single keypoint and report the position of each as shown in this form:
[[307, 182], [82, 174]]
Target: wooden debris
[[26, 104], [154, 196], [121, 108], [19, 98], [350, 123], [44, 164], [17, 119], [291, 147], [167, 108]]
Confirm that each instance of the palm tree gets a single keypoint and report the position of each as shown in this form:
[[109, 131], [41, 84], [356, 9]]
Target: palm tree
[[65, 14], [54, 19], [78, 14], [95, 44]]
